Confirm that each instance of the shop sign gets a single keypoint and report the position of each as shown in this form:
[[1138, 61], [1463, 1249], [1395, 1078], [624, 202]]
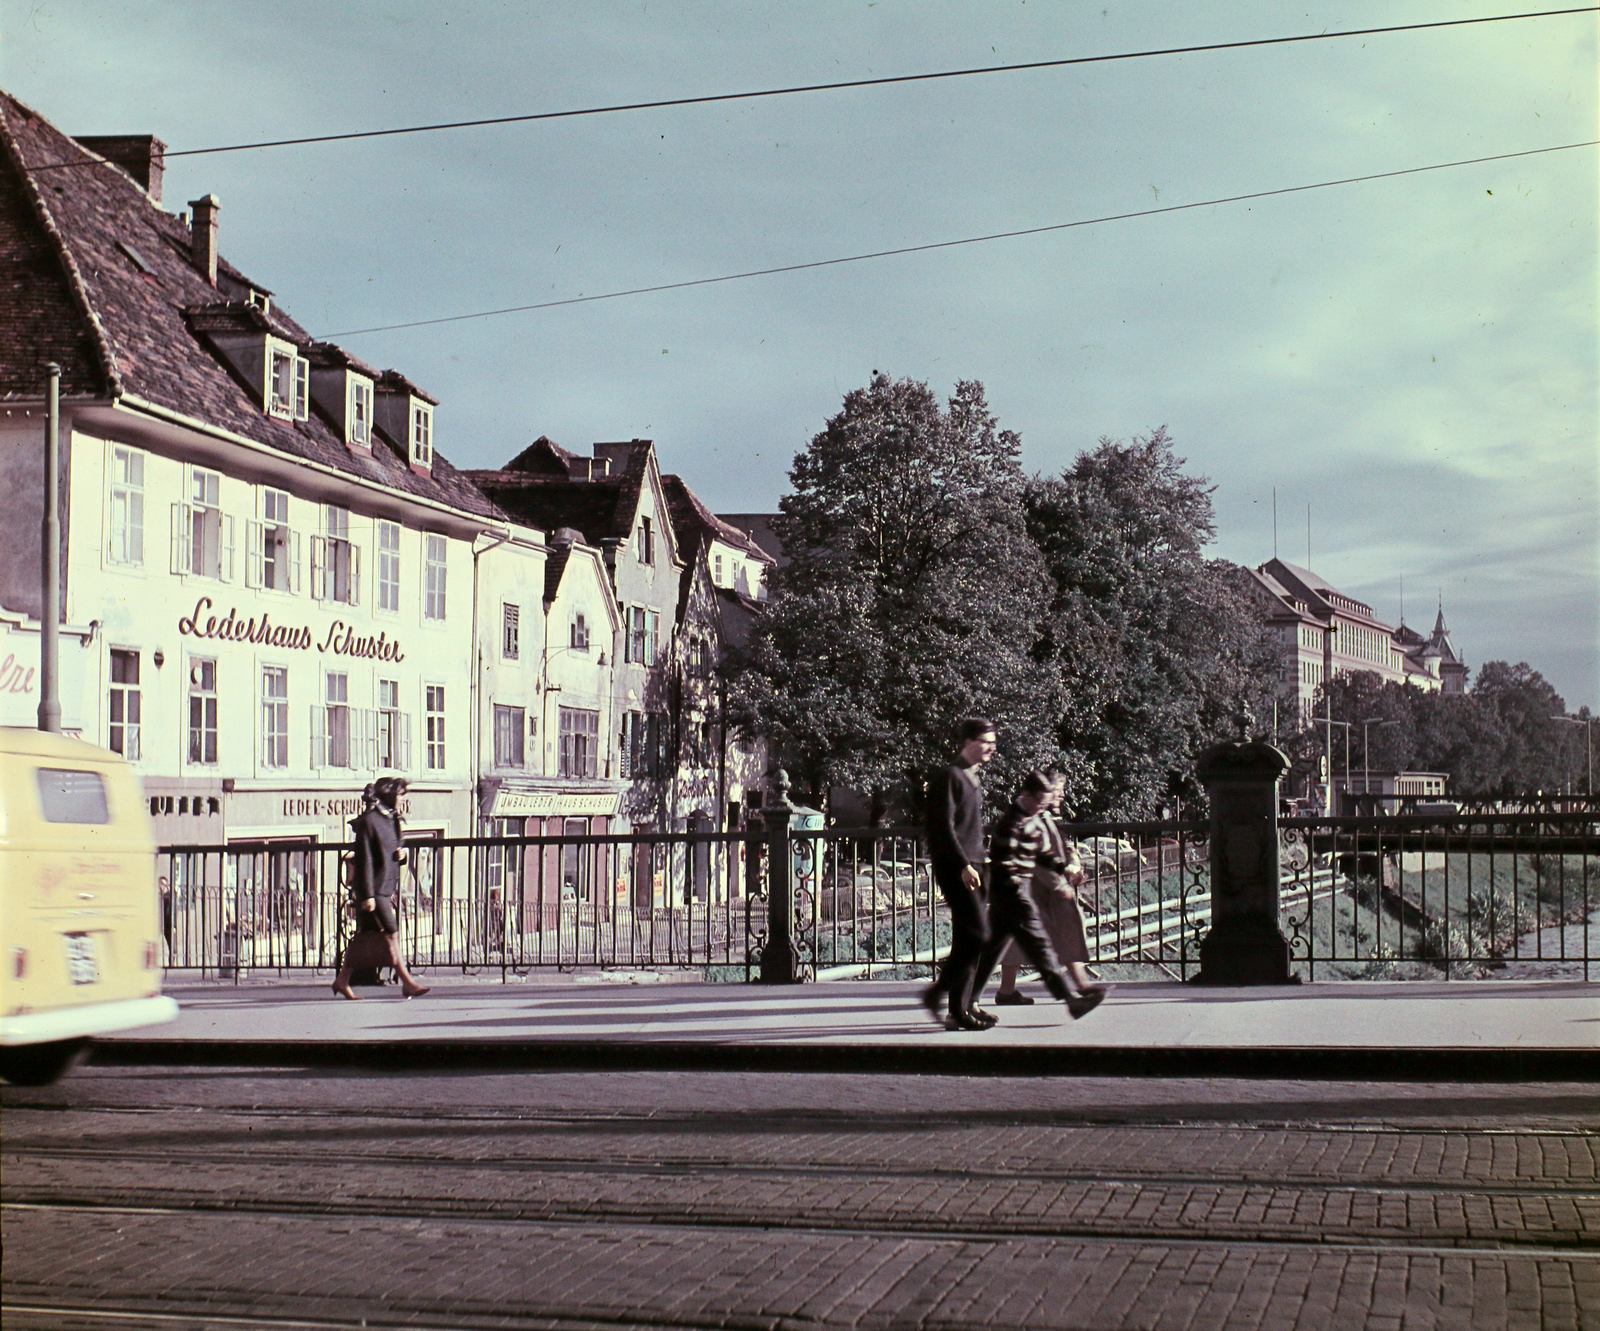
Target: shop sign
[[341, 638], [333, 806], [555, 804]]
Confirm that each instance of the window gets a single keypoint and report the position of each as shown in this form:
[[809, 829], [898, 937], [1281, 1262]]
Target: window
[[579, 638], [576, 880], [647, 542], [508, 632], [580, 742], [508, 730], [127, 506], [643, 626], [71, 797], [124, 705], [288, 388], [421, 434], [358, 411], [644, 745], [336, 560], [716, 569], [272, 549], [337, 722], [433, 577], [288, 393], [202, 535], [274, 716], [202, 711], [389, 566], [393, 727], [503, 867], [434, 707]]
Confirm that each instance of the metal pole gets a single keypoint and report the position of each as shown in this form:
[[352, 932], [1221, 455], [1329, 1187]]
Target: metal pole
[[50, 562], [1327, 689]]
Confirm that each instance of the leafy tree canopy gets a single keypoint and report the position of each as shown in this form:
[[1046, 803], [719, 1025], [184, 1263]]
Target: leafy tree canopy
[[911, 598]]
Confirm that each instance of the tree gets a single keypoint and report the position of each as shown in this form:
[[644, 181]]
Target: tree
[[912, 596], [1155, 647]]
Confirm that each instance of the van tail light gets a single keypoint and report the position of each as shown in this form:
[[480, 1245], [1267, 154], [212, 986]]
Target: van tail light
[[19, 962], [152, 956]]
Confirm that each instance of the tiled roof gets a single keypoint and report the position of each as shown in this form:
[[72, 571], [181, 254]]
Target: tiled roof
[[692, 518], [555, 565], [535, 487], [100, 279]]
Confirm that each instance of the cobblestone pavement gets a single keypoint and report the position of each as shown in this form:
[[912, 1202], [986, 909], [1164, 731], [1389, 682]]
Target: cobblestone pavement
[[184, 1198]]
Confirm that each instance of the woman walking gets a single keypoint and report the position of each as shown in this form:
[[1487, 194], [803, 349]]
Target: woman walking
[[375, 884]]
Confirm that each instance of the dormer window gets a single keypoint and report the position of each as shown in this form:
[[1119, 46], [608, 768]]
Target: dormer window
[[260, 300], [358, 411], [421, 434], [288, 382]]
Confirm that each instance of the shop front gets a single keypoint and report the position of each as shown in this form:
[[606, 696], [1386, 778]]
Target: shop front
[[580, 876]]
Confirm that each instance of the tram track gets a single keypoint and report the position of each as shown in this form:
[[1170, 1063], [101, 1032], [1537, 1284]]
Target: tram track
[[591, 1166]]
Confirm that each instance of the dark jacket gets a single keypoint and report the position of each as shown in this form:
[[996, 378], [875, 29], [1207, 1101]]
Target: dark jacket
[[955, 820], [374, 872]]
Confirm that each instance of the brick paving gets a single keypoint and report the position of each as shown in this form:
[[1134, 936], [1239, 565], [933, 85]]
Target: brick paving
[[139, 1201]]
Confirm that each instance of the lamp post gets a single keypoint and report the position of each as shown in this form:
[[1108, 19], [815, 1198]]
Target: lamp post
[[1347, 726], [1366, 759], [1587, 722], [50, 560]]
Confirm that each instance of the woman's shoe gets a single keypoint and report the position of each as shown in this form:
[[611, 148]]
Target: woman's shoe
[[1015, 998], [344, 990], [414, 990], [963, 1021]]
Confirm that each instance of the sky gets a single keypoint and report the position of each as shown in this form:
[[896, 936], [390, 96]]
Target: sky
[[1415, 360]]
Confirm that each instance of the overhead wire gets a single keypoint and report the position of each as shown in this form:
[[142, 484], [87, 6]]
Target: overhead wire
[[847, 83], [950, 244]]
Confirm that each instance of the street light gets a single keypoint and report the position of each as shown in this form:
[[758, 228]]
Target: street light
[[1347, 725], [1587, 722], [1366, 761]]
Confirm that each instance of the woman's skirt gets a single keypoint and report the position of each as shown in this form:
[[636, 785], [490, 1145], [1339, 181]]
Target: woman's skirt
[[1063, 926]]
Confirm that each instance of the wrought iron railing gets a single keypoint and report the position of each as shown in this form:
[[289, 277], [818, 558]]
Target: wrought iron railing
[[1442, 895]]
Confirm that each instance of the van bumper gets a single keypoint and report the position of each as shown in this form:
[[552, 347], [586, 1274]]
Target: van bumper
[[74, 1023]]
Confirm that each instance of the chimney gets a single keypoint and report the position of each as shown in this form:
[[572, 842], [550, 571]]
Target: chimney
[[203, 236], [142, 156]]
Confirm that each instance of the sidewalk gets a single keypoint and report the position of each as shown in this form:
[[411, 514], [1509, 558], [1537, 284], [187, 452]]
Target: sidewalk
[[1415, 1030]]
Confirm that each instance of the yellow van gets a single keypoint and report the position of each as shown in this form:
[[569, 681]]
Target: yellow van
[[80, 917]]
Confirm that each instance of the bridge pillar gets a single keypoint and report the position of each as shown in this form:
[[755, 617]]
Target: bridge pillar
[[779, 960], [1245, 945]]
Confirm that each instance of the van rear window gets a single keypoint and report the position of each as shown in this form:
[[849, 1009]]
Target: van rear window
[[72, 797]]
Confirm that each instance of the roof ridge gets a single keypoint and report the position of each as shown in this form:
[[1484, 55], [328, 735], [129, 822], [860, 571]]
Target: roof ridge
[[75, 282]]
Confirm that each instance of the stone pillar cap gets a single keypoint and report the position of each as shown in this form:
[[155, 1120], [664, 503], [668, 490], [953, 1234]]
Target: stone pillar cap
[[1245, 758]]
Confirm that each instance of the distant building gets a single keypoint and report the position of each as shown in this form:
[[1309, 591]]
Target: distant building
[[1322, 632]]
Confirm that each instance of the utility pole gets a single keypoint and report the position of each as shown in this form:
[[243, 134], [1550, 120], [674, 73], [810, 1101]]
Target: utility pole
[[50, 561], [1588, 737], [1327, 689], [1366, 759]]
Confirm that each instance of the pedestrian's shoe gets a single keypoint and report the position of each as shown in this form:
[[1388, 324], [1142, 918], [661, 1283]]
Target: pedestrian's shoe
[[414, 990], [964, 1021], [933, 1000], [984, 1019], [344, 991], [1015, 998], [1081, 1005]]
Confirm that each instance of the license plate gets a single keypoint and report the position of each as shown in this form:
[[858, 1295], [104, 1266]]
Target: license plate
[[81, 965]]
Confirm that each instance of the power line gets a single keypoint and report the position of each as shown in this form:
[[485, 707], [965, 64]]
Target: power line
[[949, 244], [849, 83]]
